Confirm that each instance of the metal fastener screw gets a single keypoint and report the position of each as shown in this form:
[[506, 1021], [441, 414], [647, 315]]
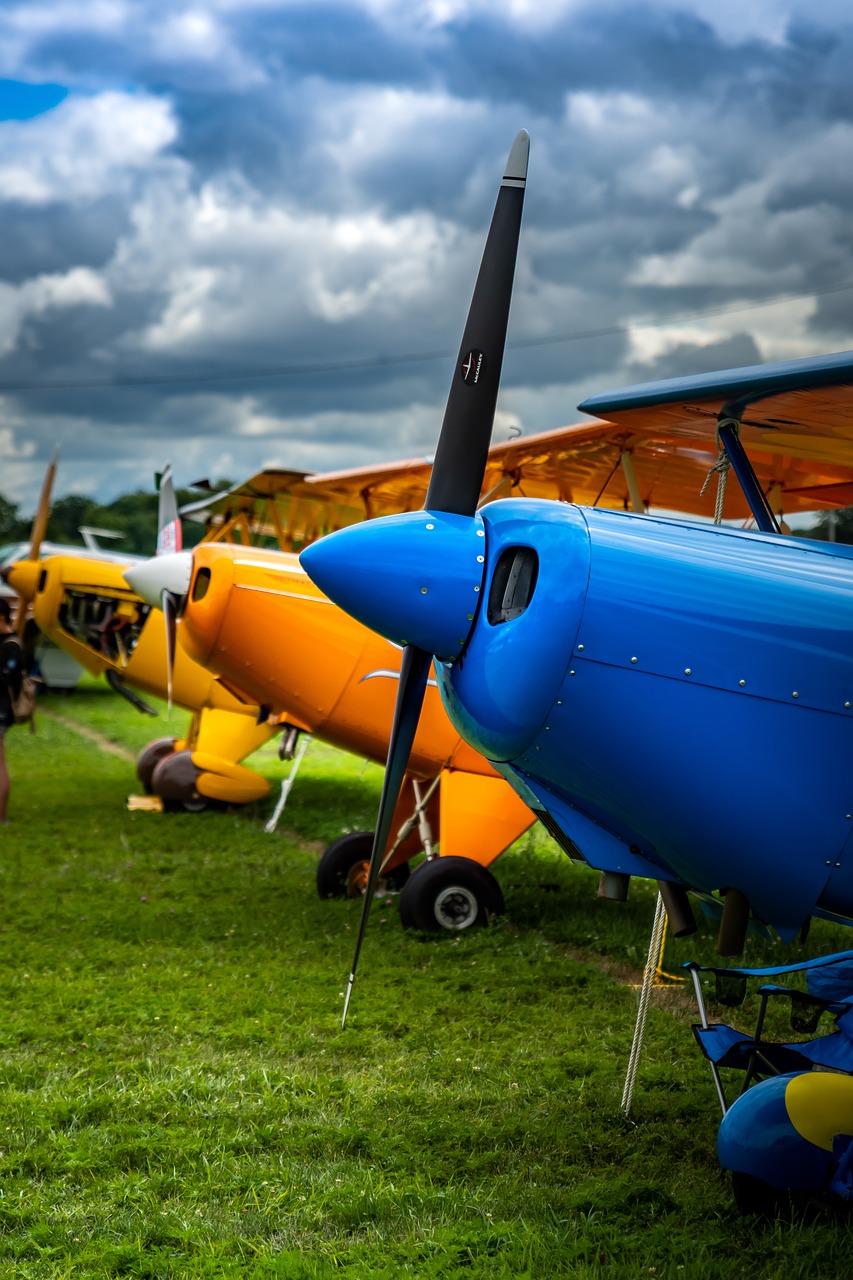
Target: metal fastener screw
[[480, 559], [847, 706], [580, 648], [795, 694], [571, 673], [481, 533], [423, 591], [430, 526], [633, 659], [687, 671], [741, 683]]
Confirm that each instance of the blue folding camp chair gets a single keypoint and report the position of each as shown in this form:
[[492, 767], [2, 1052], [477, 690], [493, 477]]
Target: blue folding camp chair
[[829, 980]]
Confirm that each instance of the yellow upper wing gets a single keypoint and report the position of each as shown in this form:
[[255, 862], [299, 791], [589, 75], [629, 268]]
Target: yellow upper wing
[[795, 417]]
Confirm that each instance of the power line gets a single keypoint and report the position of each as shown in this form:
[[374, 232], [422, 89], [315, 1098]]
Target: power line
[[412, 357], [685, 316]]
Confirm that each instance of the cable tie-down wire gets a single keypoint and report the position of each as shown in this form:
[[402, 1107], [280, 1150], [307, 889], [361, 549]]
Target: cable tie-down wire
[[721, 468]]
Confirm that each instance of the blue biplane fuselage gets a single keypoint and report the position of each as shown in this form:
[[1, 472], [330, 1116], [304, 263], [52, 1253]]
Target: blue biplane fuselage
[[643, 683], [667, 673]]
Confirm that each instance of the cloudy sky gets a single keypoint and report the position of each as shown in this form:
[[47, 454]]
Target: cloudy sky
[[236, 233]]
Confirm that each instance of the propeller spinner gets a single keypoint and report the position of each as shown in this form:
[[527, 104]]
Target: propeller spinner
[[426, 590]]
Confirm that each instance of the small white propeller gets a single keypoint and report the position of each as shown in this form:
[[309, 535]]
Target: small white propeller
[[164, 581]]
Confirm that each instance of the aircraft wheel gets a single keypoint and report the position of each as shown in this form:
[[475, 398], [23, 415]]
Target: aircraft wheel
[[149, 757], [450, 893], [193, 804], [752, 1195], [342, 870], [174, 779]]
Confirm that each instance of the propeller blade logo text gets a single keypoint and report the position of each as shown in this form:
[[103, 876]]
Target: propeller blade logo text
[[471, 368], [169, 539]]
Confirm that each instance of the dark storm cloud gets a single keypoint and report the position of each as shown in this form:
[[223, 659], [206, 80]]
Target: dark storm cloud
[[229, 189], [632, 49], [337, 43], [688, 358], [46, 239]]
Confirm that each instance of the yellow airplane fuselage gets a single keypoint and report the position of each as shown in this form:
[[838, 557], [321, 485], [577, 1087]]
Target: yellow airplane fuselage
[[85, 606]]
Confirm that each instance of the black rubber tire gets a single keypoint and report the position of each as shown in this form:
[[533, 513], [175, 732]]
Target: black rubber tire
[[342, 869], [174, 782], [452, 894], [149, 758], [754, 1196]]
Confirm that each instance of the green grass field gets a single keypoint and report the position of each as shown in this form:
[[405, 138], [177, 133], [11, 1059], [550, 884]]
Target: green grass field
[[180, 1101]]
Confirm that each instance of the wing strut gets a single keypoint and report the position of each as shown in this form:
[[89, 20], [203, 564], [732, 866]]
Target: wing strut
[[728, 433]]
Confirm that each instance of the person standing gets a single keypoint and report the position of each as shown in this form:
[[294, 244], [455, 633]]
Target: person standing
[[11, 675]]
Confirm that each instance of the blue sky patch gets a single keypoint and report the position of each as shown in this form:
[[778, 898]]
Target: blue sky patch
[[22, 101]]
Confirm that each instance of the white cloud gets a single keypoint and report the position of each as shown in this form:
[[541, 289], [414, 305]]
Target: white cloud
[[48, 17], [235, 269], [85, 148], [609, 112], [10, 449], [77, 287], [193, 31], [749, 246]]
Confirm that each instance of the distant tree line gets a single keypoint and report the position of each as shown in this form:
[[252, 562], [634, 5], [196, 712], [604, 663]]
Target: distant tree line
[[134, 516], [834, 526]]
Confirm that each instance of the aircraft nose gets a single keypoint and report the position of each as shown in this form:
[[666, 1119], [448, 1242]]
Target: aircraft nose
[[415, 578], [151, 578], [23, 576]]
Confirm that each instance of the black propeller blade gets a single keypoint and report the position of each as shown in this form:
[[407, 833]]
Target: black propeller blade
[[466, 432], [457, 473], [169, 603], [414, 672]]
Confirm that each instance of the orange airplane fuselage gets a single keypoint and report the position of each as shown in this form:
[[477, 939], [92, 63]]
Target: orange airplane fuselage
[[256, 619]]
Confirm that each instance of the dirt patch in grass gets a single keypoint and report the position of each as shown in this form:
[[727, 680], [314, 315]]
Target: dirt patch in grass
[[91, 735]]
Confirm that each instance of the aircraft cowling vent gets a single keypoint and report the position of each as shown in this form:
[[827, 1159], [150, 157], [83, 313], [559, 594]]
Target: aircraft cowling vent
[[556, 832]]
